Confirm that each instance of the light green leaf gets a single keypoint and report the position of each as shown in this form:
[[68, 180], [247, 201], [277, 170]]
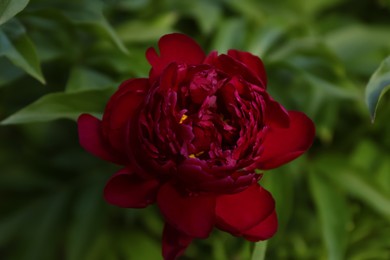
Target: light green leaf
[[363, 191], [19, 49], [9, 8], [260, 250], [141, 31], [360, 47], [332, 209], [62, 105], [377, 86], [206, 13], [82, 78], [231, 35]]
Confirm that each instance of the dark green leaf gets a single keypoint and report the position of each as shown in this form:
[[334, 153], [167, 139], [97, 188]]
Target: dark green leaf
[[48, 221], [9, 8], [378, 85], [85, 224], [62, 105], [19, 49]]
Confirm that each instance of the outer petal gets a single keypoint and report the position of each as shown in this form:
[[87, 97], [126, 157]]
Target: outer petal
[[241, 211], [174, 47], [91, 139], [252, 62], [266, 229], [126, 189], [121, 108], [192, 215], [281, 145], [174, 243]]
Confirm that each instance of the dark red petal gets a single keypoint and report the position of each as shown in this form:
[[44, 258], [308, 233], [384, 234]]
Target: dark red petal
[[192, 215], [91, 139], [174, 242], [128, 190], [281, 145], [264, 230], [252, 62], [241, 211], [174, 47], [276, 114], [233, 67], [121, 108]]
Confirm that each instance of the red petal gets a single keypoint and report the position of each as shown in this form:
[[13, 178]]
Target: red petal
[[192, 215], [276, 114], [174, 47], [128, 190], [241, 211], [252, 62], [91, 139], [281, 145], [266, 229], [174, 243], [120, 109], [234, 67]]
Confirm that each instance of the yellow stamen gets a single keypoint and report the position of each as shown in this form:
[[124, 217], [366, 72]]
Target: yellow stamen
[[196, 155], [184, 117]]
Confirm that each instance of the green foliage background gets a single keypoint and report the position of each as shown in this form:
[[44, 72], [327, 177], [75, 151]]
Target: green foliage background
[[61, 58]]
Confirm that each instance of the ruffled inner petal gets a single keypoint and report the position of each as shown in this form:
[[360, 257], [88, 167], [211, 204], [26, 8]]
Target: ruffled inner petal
[[253, 63]]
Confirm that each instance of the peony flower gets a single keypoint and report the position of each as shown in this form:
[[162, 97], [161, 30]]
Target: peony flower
[[190, 137]]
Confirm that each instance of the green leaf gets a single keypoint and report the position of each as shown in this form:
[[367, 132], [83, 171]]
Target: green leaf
[[12, 225], [85, 14], [135, 244], [363, 191], [48, 220], [361, 47], [9, 8], [332, 209], [19, 49], [206, 13], [260, 250], [141, 31], [82, 78], [231, 35], [62, 105], [377, 86], [85, 223], [8, 72]]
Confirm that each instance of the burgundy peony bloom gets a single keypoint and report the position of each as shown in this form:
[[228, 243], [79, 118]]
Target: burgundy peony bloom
[[190, 138]]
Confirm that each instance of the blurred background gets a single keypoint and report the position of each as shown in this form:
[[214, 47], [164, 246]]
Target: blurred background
[[62, 58]]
